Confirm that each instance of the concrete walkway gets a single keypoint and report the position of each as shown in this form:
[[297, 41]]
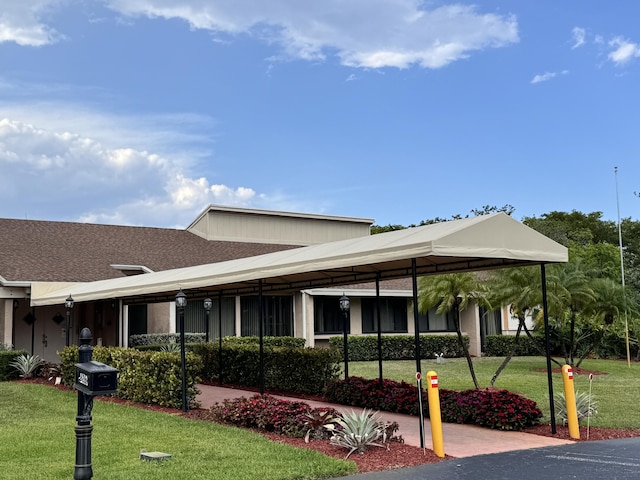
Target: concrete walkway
[[459, 440]]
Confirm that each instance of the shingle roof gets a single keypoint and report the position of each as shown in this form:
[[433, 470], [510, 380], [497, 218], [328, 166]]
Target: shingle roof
[[33, 250]]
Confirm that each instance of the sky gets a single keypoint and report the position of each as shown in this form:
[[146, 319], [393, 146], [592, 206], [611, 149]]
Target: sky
[[144, 112]]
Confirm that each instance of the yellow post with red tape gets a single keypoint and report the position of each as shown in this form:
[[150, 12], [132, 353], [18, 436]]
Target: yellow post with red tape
[[433, 397], [570, 400]]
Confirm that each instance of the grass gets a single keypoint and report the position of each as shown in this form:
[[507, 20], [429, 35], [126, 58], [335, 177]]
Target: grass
[[616, 392], [38, 441]]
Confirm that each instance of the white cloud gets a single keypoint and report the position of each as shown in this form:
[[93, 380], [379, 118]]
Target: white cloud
[[545, 77], [52, 172], [623, 51], [361, 33], [21, 22], [579, 35]]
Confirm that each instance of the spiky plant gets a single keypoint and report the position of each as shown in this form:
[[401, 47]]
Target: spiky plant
[[26, 365], [586, 405], [357, 431], [317, 421], [170, 347]]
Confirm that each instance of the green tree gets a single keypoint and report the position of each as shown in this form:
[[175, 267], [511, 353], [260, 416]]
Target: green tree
[[521, 290], [450, 292], [485, 210], [602, 259], [608, 306], [570, 285], [575, 227]]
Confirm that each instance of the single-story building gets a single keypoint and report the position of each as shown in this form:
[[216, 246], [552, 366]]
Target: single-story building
[[44, 252]]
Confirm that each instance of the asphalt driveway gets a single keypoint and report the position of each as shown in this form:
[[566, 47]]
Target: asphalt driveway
[[609, 459]]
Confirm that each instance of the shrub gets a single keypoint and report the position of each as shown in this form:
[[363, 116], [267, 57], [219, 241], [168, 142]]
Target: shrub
[[269, 341], [497, 409], [267, 413], [390, 396], [6, 357], [398, 347], [302, 370], [502, 345], [164, 338], [502, 410], [146, 377]]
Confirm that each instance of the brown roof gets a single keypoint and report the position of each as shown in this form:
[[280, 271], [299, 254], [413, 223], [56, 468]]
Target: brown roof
[[33, 250]]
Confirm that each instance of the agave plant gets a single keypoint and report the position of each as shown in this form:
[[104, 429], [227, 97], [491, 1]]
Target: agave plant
[[357, 431], [26, 365], [586, 406], [170, 347]]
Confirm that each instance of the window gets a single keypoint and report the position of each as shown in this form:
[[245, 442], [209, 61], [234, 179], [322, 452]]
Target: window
[[327, 316], [393, 315], [278, 312], [195, 317], [137, 319], [435, 322], [490, 324]]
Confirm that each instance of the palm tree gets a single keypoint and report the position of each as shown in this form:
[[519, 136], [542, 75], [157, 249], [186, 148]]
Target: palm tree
[[450, 292], [571, 284], [609, 303], [521, 290]]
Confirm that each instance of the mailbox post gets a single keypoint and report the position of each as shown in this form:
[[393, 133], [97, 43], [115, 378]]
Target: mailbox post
[[92, 379]]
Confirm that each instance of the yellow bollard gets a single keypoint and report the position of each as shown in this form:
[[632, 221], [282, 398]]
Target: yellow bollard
[[433, 396], [570, 400]]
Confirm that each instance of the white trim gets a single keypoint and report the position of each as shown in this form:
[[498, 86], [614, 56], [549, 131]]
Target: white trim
[[357, 292], [14, 283], [172, 317]]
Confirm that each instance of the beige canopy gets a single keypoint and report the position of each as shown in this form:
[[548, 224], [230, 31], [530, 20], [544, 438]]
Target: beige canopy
[[477, 243]]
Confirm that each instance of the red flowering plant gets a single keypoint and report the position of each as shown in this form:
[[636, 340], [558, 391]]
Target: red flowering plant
[[389, 396], [265, 412], [505, 410], [498, 409]]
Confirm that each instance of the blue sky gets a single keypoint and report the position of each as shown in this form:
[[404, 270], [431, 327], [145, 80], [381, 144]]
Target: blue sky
[[143, 112]]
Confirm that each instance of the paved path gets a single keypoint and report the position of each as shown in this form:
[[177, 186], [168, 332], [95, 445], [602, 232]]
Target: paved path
[[459, 440]]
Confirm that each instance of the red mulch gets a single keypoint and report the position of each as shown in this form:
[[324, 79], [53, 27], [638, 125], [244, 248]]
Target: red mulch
[[562, 432], [398, 455]]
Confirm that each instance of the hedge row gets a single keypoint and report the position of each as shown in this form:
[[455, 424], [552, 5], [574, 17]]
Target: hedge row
[[398, 347], [164, 338], [288, 342], [154, 341], [301, 370], [6, 357], [146, 377], [502, 345]]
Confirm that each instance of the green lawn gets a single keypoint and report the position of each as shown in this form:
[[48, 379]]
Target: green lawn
[[37, 440], [616, 392]]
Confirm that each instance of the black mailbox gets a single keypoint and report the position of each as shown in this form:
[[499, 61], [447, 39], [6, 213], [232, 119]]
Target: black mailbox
[[95, 378]]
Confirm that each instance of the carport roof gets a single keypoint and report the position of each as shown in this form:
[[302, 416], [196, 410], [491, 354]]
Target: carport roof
[[477, 243]]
